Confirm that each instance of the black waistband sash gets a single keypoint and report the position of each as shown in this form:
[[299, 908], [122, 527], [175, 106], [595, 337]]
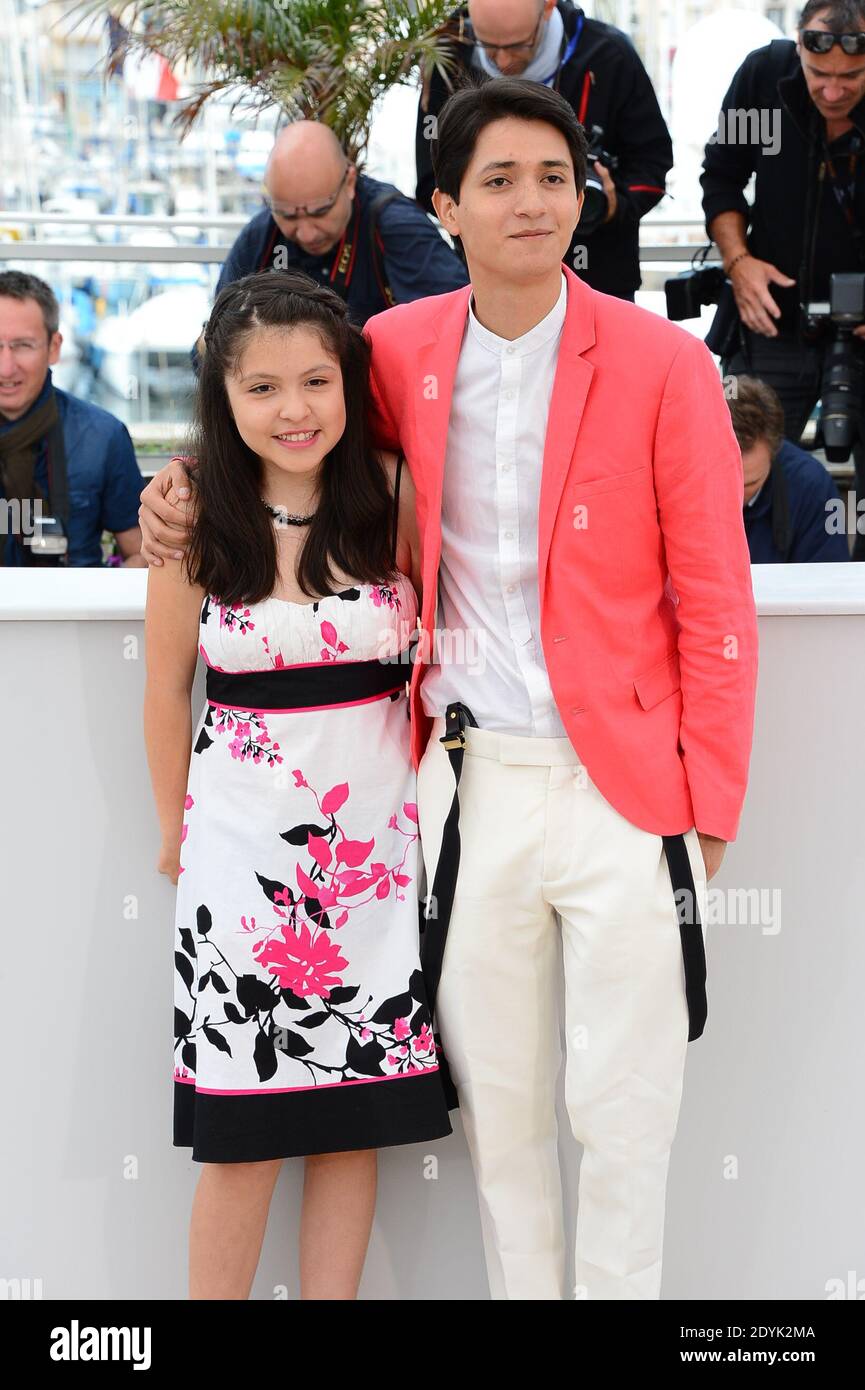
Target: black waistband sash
[[307, 687]]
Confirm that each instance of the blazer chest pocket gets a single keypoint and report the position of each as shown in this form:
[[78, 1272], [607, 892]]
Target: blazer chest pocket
[[658, 682], [593, 487]]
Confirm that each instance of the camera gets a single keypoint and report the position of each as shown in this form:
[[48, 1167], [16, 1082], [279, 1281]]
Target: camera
[[48, 544], [687, 293], [595, 204], [843, 382]]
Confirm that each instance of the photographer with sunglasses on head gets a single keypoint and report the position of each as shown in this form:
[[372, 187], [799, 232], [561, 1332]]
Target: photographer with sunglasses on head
[[806, 223], [358, 236]]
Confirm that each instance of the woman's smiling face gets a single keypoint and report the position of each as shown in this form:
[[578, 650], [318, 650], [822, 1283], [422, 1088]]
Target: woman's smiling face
[[286, 396]]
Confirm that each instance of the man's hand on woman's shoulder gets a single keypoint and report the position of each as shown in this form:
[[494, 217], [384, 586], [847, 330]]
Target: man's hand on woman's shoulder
[[165, 513]]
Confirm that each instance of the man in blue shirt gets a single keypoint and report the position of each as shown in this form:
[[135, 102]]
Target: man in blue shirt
[[791, 503], [74, 458], [365, 239]]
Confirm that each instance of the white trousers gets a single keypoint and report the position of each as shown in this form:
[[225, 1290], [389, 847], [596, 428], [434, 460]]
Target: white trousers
[[543, 849]]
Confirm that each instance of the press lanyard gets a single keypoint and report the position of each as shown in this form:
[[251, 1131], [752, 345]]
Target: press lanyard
[[343, 261], [844, 192], [568, 53]]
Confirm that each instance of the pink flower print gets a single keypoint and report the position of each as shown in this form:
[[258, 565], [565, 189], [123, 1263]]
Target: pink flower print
[[301, 964], [334, 799], [331, 637], [299, 779], [277, 661], [365, 1034], [235, 618], [383, 595], [401, 1029], [424, 1040], [320, 850], [188, 803], [251, 736], [353, 852], [392, 1061]]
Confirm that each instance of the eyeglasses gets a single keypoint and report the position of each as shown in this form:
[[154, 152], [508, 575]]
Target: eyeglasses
[[821, 41], [294, 214], [489, 47], [22, 348]]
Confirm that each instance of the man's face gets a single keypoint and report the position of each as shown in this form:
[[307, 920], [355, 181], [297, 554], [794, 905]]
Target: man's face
[[287, 400], [756, 463], [308, 185], [518, 202], [836, 80], [26, 353], [519, 24]]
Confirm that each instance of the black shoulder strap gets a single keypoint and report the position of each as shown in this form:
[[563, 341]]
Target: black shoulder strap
[[264, 263], [395, 510], [377, 243]]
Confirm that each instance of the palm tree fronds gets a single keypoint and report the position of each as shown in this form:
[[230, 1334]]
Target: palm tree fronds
[[326, 60]]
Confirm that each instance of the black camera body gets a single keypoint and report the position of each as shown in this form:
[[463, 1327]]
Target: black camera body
[[842, 389], [687, 293], [595, 203], [48, 544]]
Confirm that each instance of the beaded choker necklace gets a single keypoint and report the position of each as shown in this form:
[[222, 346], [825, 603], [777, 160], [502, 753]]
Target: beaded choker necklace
[[283, 517]]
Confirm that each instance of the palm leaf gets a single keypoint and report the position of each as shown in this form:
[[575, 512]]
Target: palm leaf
[[324, 60]]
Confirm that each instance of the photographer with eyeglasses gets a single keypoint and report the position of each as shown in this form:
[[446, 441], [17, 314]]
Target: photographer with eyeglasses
[[362, 238], [792, 307], [597, 70]]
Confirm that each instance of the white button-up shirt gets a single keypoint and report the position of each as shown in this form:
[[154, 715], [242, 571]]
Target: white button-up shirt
[[487, 645]]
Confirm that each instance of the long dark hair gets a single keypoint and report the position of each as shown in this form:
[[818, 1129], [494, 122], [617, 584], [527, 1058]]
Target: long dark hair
[[232, 549]]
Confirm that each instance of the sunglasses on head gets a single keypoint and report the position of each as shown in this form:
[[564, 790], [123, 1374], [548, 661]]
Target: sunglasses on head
[[821, 41]]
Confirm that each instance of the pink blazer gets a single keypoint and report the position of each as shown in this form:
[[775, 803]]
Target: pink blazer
[[648, 624]]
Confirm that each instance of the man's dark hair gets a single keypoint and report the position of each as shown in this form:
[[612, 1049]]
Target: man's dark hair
[[839, 16], [756, 413], [14, 284], [476, 105]]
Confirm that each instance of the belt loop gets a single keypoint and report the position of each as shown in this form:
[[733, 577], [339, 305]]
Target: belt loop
[[690, 932]]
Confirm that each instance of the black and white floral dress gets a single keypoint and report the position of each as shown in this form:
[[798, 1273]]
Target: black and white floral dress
[[301, 1023]]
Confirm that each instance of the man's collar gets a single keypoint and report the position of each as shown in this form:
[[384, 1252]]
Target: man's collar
[[532, 339]]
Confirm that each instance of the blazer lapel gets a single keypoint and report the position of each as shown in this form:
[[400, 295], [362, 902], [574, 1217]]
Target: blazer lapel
[[437, 357], [570, 389]]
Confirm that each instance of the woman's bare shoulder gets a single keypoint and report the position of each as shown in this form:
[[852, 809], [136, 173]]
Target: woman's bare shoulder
[[389, 461]]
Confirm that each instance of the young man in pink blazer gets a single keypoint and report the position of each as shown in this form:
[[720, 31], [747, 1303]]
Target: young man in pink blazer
[[582, 695], [579, 498]]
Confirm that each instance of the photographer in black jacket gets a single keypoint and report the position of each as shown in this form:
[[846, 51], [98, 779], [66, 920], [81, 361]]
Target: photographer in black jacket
[[796, 112], [596, 68]]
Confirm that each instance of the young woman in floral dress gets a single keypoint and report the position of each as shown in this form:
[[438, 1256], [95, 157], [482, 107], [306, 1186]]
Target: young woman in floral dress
[[288, 812]]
